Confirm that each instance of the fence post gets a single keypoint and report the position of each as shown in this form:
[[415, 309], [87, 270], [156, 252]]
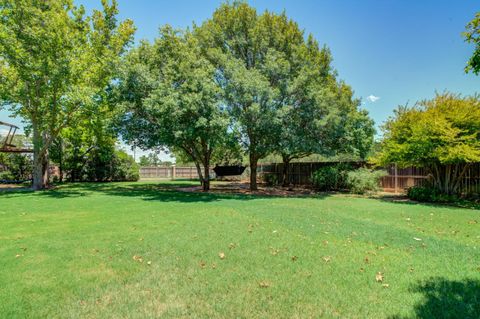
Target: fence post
[[396, 178], [174, 171]]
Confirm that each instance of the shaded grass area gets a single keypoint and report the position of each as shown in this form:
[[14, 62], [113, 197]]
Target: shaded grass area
[[141, 250]]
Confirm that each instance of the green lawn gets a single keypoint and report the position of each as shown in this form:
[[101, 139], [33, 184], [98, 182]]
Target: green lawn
[[144, 250]]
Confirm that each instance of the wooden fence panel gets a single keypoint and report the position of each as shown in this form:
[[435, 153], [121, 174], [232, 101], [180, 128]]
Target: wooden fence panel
[[398, 179]]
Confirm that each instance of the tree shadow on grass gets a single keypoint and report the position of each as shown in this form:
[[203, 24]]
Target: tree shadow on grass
[[396, 199], [164, 192], [447, 299], [170, 193]]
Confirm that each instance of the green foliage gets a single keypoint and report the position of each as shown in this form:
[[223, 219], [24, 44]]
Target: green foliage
[[364, 180], [7, 176], [170, 98], [430, 194], [472, 35], [54, 63], [151, 159], [279, 86], [271, 179], [441, 135], [18, 167], [331, 177], [88, 153], [124, 168]]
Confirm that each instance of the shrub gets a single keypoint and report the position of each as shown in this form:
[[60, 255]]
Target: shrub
[[332, 177], [364, 180], [6, 176], [429, 194], [125, 168], [271, 179]]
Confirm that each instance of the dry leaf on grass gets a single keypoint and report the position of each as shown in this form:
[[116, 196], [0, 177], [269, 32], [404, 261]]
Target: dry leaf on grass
[[379, 277], [294, 258], [138, 258], [232, 246], [385, 285], [417, 239], [202, 264], [264, 284], [221, 255], [327, 259]]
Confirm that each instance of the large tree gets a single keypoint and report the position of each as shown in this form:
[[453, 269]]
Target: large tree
[[251, 53], [54, 61], [442, 135], [321, 117], [278, 85], [171, 99]]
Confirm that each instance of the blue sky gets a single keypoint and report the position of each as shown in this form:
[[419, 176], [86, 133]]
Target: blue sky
[[395, 51]]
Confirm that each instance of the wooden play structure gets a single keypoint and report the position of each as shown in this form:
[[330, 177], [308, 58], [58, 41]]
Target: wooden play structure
[[6, 145]]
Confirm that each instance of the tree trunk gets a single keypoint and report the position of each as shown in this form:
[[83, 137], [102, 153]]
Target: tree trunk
[[40, 161], [60, 164], [285, 177], [40, 171], [206, 178], [199, 172], [447, 178], [253, 172]]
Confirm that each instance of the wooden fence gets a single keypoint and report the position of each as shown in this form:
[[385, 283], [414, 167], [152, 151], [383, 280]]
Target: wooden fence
[[397, 180], [172, 172]]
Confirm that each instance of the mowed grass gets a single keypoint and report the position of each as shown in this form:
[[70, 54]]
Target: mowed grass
[[144, 250]]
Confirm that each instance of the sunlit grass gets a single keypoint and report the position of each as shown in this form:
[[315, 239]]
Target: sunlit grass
[[145, 250]]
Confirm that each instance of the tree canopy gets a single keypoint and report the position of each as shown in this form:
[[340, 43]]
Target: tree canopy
[[442, 135], [171, 99], [279, 86], [54, 62]]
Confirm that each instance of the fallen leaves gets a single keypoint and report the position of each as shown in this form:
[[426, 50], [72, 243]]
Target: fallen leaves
[[137, 258], [264, 284], [379, 277], [274, 251], [221, 255], [417, 239], [232, 246], [294, 258], [327, 259]]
